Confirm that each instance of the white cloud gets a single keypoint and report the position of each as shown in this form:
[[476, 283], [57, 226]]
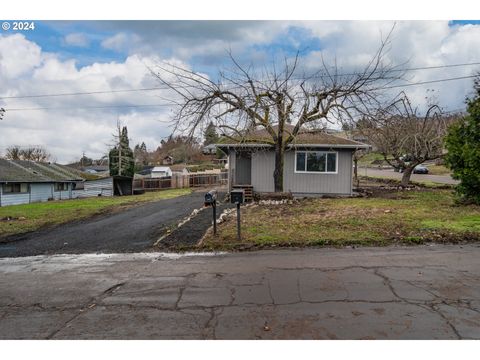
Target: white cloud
[[18, 56], [120, 41], [71, 129], [66, 132], [77, 39]]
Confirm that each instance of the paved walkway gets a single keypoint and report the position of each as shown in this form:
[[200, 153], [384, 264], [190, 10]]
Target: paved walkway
[[390, 174], [425, 292]]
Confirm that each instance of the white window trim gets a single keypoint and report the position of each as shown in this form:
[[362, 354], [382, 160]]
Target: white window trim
[[316, 172]]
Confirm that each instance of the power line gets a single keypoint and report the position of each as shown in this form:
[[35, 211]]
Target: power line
[[83, 93], [166, 87], [430, 82], [161, 105], [87, 107]]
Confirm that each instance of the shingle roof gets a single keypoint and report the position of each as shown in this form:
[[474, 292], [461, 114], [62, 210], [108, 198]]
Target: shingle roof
[[31, 171], [304, 137]]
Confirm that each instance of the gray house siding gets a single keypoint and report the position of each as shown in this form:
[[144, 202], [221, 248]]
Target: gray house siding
[[15, 199], [263, 165], [37, 192], [318, 183], [41, 192], [62, 195], [101, 187]]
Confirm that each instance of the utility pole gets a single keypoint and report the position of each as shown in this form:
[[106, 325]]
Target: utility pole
[[119, 148]]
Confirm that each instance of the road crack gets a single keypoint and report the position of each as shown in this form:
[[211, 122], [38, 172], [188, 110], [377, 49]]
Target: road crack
[[86, 307]]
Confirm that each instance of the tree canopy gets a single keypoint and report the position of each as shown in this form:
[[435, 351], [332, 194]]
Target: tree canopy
[[246, 98], [121, 158], [463, 146]]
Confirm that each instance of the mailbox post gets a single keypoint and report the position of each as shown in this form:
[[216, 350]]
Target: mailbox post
[[211, 200], [237, 196]]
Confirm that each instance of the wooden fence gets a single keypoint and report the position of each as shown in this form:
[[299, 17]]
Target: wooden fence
[[181, 181]]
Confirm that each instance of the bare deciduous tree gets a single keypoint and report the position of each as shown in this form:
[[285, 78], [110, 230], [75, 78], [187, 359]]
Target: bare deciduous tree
[[403, 137], [33, 153], [245, 98]]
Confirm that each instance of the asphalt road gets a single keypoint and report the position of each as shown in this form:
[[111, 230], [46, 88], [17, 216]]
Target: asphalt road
[[390, 174], [132, 230], [423, 292]]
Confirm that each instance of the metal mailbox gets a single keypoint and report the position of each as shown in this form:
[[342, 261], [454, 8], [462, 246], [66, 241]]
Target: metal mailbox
[[211, 198], [237, 196]]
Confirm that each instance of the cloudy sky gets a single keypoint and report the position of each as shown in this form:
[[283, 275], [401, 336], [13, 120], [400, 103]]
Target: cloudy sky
[[60, 57]]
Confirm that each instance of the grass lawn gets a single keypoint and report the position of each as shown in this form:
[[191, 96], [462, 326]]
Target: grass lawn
[[410, 217], [367, 159], [31, 217], [438, 170]]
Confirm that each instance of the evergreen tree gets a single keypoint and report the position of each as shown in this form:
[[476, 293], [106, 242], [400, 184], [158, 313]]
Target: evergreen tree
[[463, 145], [121, 158], [211, 136]]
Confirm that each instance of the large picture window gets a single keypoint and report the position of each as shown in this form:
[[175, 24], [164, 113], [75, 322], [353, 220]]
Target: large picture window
[[316, 161]]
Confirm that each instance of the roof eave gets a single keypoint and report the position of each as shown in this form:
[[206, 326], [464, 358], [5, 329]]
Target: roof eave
[[337, 146]]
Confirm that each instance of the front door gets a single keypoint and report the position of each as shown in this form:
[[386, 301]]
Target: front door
[[243, 172]]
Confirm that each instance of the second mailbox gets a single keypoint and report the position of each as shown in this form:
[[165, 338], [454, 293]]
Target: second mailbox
[[237, 196], [211, 198]]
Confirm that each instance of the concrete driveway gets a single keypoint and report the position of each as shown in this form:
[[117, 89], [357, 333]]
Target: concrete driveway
[[425, 292], [390, 174]]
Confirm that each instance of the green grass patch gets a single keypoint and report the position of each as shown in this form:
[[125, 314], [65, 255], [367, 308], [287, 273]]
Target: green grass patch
[[409, 217], [30, 217], [438, 170]]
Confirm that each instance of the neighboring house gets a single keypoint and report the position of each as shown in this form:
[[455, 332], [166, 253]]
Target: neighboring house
[[210, 149], [108, 186], [24, 182], [316, 163], [146, 172], [160, 172], [180, 169], [154, 172], [167, 160]]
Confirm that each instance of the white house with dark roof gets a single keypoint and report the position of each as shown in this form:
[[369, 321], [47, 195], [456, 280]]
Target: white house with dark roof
[[315, 163], [24, 182]]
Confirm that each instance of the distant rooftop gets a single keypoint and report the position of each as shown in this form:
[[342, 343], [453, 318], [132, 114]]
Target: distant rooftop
[[31, 171]]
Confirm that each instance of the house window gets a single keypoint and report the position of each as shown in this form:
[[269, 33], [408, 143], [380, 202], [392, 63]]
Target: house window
[[61, 186], [316, 161], [15, 188]]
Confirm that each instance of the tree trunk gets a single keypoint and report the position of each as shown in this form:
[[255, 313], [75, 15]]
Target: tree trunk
[[355, 171], [278, 172], [406, 176]]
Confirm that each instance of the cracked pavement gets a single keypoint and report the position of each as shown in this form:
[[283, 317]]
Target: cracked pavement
[[424, 292]]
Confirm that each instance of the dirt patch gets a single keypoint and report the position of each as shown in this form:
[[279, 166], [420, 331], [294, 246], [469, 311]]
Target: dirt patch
[[188, 235]]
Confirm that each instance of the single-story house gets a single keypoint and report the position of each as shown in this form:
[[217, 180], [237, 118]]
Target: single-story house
[[180, 169], [167, 160], [154, 172], [24, 182], [160, 172], [106, 186], [209, 149], [316, 163]]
